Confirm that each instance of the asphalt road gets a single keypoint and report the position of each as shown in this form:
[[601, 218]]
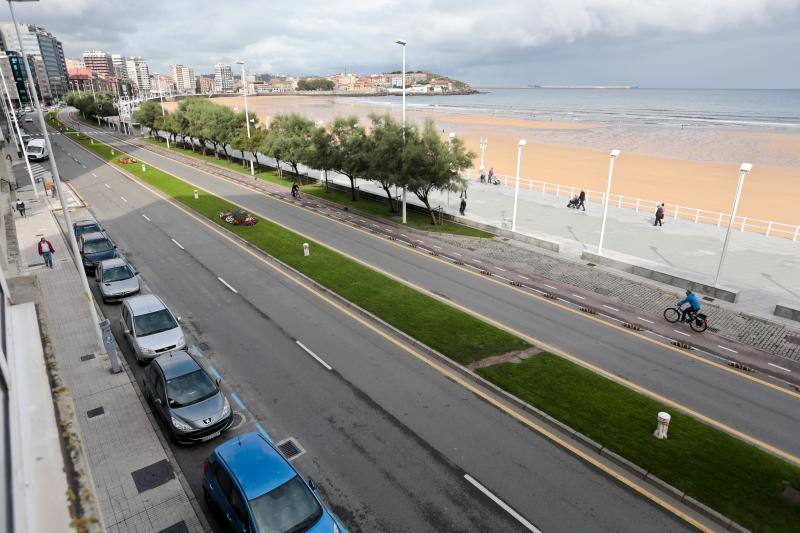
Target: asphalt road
[[388, 439], [760, 412]]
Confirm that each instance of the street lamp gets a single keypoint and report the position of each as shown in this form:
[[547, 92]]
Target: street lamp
[[403, 43], [483, 145], [246, 113], [521, 144], [161, 97], [14, 124], [614, 154], [743, 171], [76, 256], [450, 139]]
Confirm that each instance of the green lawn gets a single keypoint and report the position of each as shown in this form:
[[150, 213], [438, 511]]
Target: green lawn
[[266, 175], [456, 334], [414, 219], [735, 478]]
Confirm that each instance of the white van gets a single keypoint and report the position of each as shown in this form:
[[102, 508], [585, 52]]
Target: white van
[[37, 151]]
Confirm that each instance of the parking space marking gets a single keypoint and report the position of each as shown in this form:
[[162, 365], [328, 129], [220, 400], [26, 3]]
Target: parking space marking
[[724, 348], [94, 175], [145, 217], [682, 333], [238, 402], [227, 285], [579, 296], [312, 354], [182, 248], [779, 367], [507, 508], [107, 185], [124, 199]]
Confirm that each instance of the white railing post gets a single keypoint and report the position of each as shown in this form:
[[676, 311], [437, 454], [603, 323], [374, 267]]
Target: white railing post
[[719, 220], [769, 228], [697, 216], [558, 189], [506, 178], [572, 192], [544, 185], [744, 222], [530, 185], [796, 232], [619, 203], [677, 208], [638, 200]]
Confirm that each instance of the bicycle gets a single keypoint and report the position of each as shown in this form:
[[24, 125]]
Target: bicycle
[[697, 321]]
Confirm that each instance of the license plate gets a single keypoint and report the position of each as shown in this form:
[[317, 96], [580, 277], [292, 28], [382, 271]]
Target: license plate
[[209, 437]]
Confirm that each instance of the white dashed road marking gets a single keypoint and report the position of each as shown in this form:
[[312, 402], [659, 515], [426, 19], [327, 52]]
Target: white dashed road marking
[[724, 348], [107, 185], [145, 217], [609, 307], [124, 199], [645, 320], [579, 296], [315, 356], [507, 508], [779, 367], [682, 333], [227, 285], [177, 244]]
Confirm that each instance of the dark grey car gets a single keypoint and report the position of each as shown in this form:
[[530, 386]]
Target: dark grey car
[[185, 397], [116, 279]]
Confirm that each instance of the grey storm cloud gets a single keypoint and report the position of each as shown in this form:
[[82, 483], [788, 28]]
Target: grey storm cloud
[[322, 37]]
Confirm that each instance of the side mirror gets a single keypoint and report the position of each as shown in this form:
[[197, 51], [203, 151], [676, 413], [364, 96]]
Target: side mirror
[[312, 485], [158, 401], [179, 319], [218, 381]]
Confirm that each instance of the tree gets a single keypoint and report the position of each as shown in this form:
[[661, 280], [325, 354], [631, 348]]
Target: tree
[[297, 136], [240, 141], [385, 154], [220, 124], [429, 164], [314, 84], [273, 143], [166, 123], [320, 154], [349, 149], [146, 115]]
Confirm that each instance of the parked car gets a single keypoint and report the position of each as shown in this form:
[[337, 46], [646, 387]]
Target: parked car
[[79, 227], [26, 138], [28, 119], [95, 247], [116, 279], [37, 150], [186, 398], [253, 488], [150, 327]]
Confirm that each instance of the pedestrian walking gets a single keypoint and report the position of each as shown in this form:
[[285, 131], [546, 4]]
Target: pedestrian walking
[[581, 200], [491, 175], [20, 207], [9, 159], [46, 250], [462, 207], [483, 175], [659, 215]]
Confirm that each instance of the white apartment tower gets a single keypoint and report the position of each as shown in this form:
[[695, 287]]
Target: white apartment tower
[[223, 78], [139, 75], [183, 77], [120, 68]]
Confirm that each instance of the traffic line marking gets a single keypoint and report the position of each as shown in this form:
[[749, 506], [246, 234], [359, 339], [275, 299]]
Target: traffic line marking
[[227, 285], [478, 261], [145, 217], [609, 307], [779, 367], [458, 254], [312, 354], [94, 175], [437, 247], [196, 350], [214, 372], [501, 269], [507, 508], [645, 320], [178, 244], [724, 348], [124, 199], [238, 402], [524, 277], [579, 296], [551, 287], [263, 432], [682, 333], [107, 185]]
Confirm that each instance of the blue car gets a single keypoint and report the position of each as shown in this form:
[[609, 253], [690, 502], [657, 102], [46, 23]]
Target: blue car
[[95, 247], [253, 488]]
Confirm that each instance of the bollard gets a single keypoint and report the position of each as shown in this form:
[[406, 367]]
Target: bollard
[[144, 168], [663, 425], [111, 347], [112, 151], [306, 251], [91, 140], [196, 194]]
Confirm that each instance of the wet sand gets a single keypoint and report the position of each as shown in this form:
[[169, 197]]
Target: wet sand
[[567, 153]]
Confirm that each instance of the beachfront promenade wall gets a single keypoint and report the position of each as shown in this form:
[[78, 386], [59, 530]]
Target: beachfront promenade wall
[[767, 227]]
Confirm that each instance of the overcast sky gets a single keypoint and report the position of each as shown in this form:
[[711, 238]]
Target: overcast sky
[[650, 43]]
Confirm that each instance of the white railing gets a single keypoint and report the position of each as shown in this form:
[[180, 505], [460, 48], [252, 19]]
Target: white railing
[[696, 215]]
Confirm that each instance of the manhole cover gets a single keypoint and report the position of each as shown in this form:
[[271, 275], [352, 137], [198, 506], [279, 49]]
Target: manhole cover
[[290, 448], [794, 339], [180, 527], [152, 476]]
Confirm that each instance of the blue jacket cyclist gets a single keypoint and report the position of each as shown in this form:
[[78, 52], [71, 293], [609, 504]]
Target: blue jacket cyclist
[[694, 305]]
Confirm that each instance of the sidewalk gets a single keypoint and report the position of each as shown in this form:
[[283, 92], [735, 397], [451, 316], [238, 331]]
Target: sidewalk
[[117, 436]]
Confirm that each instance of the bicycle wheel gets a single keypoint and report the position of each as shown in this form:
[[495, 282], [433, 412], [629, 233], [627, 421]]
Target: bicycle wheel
[[699, 324], [671, 314]]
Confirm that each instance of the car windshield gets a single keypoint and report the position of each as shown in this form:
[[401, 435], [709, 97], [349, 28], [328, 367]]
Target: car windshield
[[289, 508], [87, 228], [189, 389], [152, 323], [33, 149], [118, 273], [94, 247]]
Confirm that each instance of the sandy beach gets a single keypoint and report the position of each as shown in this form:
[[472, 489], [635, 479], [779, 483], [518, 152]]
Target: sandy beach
[[652, 165]]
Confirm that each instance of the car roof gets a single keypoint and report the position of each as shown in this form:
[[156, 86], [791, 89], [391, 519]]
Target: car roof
[[94, 236], [178, 363], [38, 141], [85, 222], [253, 461], [113, 262], [145, 303]]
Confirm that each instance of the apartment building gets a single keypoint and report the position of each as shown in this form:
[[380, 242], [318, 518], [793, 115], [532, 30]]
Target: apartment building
[[99, 63], [223, 78], [139, 75], [184, 80], [43, 46]]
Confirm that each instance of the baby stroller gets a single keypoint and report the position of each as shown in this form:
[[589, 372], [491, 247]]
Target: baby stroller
[[574, 203]]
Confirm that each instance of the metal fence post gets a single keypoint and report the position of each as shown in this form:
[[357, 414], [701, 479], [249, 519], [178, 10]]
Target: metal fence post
[[638, 200], [619, 202], [769, 228], [544, 184], [558, 189], [677, 208], [697, 216], [796, 231], [719, 220], [744, 222]]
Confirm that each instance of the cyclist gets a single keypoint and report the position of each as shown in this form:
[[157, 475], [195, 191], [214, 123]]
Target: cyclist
[[295, 190], [694, 306]]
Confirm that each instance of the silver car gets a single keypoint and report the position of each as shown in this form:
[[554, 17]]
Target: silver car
[[116, 279], [150, 328], [185, 397]]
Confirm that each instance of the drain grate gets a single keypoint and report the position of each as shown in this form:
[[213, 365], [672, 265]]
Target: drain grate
[[180, 527], [152, 476], [290, 448], [87, 357], [97, 411]]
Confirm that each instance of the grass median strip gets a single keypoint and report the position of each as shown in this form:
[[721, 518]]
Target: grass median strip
[[738, 480], [454, 333]]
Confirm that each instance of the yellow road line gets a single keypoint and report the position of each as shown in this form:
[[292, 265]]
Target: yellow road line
[[561, 306], [422, 358]]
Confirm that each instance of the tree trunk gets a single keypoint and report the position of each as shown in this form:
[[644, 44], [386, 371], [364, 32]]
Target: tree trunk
[[255, 157], [225, 151], [294, 166], [388, 190], [352, 186]]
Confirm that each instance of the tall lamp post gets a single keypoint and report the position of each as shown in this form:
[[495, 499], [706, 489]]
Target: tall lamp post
[[403, 43], [246, 112], [614, 154], [743, 171], [483, 145], [76, 256], [13, 123], [161, 97], [521, 145]]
